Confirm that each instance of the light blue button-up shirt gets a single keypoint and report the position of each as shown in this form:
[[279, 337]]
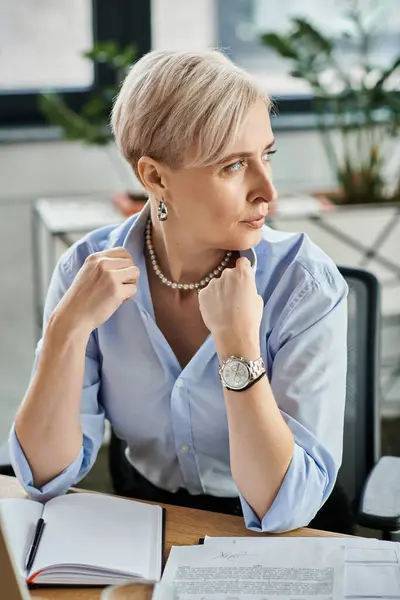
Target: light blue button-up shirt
[[174, 420]]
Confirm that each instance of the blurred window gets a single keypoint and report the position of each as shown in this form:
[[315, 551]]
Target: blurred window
[[236, 26], [41, 46], [241, 22]]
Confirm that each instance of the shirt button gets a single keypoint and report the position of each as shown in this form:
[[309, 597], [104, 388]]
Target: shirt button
[[184, 448], [179, 383]]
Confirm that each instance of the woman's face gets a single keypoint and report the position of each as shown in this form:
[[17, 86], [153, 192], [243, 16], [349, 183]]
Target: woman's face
[[218, 205]]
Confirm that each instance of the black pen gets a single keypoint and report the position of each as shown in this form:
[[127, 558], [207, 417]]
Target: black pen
[[34, 545]]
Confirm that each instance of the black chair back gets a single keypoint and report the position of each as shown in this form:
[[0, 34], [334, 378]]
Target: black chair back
[[361, 446]]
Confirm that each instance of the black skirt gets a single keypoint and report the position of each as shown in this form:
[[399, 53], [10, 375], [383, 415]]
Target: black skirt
[[336, 515]]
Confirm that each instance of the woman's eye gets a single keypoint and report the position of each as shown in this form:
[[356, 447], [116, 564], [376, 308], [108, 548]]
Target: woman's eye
[[236, 166], [267, 155]]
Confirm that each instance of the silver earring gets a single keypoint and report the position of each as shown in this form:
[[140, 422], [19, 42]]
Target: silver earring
[[162, 211]]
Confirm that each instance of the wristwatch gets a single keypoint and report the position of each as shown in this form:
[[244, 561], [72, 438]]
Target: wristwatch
[[238, 374]]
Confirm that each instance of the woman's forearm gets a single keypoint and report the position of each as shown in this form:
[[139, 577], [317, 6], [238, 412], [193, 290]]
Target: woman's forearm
[[261, 444], [47, 423]]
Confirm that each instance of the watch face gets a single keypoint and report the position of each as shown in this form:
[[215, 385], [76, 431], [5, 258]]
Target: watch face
[[236, 374]]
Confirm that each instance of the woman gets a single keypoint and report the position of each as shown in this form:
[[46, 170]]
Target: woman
[[215, 346]]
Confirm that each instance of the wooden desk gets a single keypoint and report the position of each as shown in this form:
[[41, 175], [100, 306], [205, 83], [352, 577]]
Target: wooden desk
[[184, 526]]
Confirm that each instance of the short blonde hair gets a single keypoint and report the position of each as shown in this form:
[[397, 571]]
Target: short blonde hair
[[182, 108]]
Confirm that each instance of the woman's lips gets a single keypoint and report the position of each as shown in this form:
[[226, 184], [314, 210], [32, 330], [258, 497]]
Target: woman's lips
[[256, 223]]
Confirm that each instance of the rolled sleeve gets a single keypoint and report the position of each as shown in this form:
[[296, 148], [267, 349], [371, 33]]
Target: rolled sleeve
[[294, 506], [91, 413], [57, 486], [308, 379]]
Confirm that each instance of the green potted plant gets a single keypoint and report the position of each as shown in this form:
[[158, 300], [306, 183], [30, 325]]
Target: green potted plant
[[91, 124], [363, 106]]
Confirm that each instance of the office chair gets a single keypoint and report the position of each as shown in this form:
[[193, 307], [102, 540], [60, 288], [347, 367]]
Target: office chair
[[371, 485]]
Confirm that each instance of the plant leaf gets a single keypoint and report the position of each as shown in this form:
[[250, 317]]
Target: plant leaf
[[280, 44], [74, 126], [386, 74], [307, 31]]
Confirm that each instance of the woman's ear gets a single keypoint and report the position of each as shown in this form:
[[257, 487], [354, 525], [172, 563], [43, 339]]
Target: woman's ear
[[151, 175]]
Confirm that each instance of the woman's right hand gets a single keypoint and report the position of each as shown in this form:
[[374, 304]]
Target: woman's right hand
[[104, 282]]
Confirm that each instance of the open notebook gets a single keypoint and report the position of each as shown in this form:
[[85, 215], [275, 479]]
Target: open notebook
[[88, 539]]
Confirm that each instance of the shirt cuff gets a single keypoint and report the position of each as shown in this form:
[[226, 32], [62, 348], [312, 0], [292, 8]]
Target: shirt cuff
[[56, 487], [298, 500]]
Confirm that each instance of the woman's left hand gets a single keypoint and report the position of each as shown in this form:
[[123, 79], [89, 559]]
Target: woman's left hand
[[232, 310]]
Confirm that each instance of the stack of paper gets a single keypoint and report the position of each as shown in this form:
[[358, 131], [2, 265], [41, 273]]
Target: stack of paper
[[372, 567], [285, 567]]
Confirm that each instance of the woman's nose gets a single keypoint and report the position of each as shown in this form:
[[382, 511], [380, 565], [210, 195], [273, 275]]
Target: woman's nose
[[265, 187]]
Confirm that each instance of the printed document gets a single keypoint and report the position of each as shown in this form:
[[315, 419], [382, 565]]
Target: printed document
[[372, 566], [212, 572]]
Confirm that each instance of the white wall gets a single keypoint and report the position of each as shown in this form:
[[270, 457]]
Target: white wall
[[182, 25]]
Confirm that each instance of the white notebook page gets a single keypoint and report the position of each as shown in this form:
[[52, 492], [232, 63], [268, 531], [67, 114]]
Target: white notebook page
[[103, 532], [19, 518]]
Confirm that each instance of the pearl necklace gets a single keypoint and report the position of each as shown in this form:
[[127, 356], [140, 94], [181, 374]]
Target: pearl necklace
[[182, 286]]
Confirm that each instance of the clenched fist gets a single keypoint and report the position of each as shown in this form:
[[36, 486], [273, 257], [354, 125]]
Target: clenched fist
[[232, 310], [103, 283]]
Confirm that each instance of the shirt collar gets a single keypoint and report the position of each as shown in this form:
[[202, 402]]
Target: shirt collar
[[252, 256], [134, 239]]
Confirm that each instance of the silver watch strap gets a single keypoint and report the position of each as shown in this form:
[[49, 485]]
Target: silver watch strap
[[256, 368]]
